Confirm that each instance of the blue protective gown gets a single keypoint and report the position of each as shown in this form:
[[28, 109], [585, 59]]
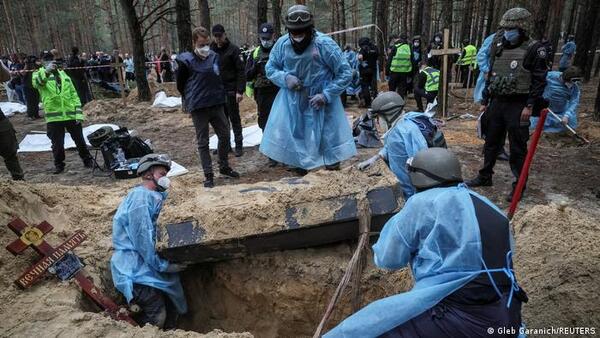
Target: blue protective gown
[[568, 49], [437, 233], [562, 101], [296, 134], [483, 61], [403, 141], [135, 259], [354, 86]]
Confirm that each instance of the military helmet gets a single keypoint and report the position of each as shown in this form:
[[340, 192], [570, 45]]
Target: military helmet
[[151, 160], [433, 167], [516, 18], [298, 17], [389, 106], [573, 73]]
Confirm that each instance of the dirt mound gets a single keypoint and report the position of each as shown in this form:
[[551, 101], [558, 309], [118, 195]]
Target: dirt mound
[[557, 257]]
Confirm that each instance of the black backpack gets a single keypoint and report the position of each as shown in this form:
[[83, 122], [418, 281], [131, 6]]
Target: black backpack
[[433, 136]]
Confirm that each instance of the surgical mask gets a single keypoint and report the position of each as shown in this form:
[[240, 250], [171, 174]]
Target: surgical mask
[[512, 35], [202, 52], [162, 184], [437, 39], [266, 43], [416, 44], [298, 38]]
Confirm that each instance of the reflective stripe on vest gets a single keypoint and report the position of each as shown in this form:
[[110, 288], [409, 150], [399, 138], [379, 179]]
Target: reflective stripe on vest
[[401, 61], [433, 79], [469, 58]]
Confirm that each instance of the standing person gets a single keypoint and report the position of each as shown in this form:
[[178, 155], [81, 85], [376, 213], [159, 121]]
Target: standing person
[[353, 88], [437, 42], [129, 69], [458, 246], [468, 63], [400, 66], [8, 138], [231, 63], [32, 97], [428, 83], [264, 90], [416, 57], [518, 67], [367, 68], [166, 70], [78, 76], [201, 87], [146, 280], [568, 50], [307, 127], [16, 81], [63, 111]]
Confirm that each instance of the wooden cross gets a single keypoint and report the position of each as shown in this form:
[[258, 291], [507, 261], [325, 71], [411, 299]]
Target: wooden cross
[[445, 52], [34, 237]]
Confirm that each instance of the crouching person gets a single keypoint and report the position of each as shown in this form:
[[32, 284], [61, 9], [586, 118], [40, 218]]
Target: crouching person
[[149, 283], [458, 246]]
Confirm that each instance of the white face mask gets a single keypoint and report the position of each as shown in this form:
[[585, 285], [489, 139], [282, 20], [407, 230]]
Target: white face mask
[[266, 43], [569, 84], [437, 39], [417, 44], [202, 52], [298, 38], [163, 183]]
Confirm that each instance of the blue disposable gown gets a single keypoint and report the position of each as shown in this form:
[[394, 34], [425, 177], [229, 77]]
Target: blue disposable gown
[[563, 101], [354, 86], [483, 61], [437, 233], [135, 259], [296, 134], [568, 49], [403, 141]]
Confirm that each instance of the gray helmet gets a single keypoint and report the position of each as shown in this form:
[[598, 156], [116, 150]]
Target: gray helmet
[[387, 103], [433, 167], [151, 160], [573, 73], [516, 18], [298, 17]]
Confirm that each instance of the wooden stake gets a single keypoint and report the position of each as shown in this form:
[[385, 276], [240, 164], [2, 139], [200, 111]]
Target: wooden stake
[[121, 82]]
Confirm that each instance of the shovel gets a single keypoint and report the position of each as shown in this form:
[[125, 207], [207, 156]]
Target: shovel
[[568, 127]]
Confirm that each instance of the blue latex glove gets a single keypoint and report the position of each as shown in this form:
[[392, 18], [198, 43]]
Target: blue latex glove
[[317, 101], [292, 82]]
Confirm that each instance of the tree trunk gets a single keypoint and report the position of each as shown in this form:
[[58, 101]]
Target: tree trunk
[[418, 18], [382, 22], [572, 15], [355, 16], [204, 14], [184, 25], [584, 36], [540, 10], [374, 31], [11, 27], [276, 8], [489, 27], [446, 17], [261, 12], [110, 22], [404, 23], [597, 105], [465, 30], [135, 30], [426, 22], [342, 20]]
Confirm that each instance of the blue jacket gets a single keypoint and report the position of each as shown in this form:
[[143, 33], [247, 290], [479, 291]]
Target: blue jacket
[[562, 100], [199, 81]]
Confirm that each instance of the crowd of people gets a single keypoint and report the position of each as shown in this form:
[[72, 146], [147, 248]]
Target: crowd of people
[[457, 242]]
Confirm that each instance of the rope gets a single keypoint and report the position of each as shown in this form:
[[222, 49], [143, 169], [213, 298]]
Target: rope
[[355, 266]]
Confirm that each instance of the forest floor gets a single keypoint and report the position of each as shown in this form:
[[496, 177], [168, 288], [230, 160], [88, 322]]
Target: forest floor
[[285, 293]]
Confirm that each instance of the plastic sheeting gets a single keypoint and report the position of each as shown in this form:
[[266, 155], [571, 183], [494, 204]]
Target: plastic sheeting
[[11, 108], [41, 142], [252, 137], [161, 100]]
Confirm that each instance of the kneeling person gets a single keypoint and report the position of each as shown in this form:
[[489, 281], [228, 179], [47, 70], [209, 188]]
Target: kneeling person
[[428, 83], [458, 246], [146, 280]]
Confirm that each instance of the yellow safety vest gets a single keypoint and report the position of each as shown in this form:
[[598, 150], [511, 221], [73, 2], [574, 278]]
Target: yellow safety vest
[[470, 56], [433, 79], [401, 61]]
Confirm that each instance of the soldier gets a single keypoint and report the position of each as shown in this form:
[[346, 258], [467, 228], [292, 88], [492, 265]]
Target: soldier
[[516, 82]]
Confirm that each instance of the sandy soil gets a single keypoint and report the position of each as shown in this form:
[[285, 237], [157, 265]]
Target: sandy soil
[[285, 294]]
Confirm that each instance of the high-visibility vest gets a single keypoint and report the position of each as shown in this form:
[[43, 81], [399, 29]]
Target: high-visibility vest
[[401, 61], [470, 56], [433, 79], [250, 84], [60, 104]]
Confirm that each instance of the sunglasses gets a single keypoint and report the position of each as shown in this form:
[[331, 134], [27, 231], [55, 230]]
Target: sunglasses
[[299, 16]]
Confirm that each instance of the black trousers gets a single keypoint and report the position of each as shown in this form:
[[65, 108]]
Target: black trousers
[[8, 149], [464, 75], [56, 134], [264, 98], [420, 93], [232, 111], [505, 117], [215, 116], [399, 83], [366, 83], [32, 99], [156, 307]]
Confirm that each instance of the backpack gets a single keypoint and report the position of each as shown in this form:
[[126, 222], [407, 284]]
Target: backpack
[[433, 136]]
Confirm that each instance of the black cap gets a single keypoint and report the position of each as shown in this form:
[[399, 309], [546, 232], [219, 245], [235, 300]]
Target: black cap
[[266, 30], [218, 29]]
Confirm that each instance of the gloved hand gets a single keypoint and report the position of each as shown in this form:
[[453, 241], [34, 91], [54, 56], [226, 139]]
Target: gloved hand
[[368, 163], [293, 82], [317, 101], [51, 67], [176, 267], [565, 120]]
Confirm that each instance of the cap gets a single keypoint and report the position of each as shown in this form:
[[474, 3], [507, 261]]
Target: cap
[[266, 30], [218, 29]]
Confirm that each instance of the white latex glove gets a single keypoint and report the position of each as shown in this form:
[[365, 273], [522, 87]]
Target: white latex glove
[[51, 67], [565, 120], [368, 163]]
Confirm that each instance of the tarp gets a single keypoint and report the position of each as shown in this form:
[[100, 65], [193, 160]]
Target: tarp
[[41, 142], [177, 170], [252, 137], [162, 101], [10, 108]]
